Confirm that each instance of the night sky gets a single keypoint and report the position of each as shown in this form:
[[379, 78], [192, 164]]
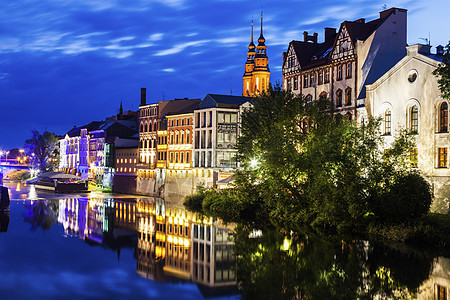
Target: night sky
[[69, 62]]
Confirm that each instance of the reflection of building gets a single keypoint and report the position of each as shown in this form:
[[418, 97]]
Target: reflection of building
[[437, 286], [4, 220], [213, 257], [408, 96]]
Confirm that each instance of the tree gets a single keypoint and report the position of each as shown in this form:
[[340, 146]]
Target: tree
[[443, 73], [304, 164], [43, 149]]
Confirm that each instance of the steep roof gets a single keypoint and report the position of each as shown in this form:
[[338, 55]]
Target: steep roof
[[311, 55], [225, 101]]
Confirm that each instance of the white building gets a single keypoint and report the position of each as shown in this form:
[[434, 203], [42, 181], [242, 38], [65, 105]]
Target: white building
[[408, 96]]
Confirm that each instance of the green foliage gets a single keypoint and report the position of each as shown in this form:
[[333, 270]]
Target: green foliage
[[43, 149], [304, 164], [443, 73], [19, 175]]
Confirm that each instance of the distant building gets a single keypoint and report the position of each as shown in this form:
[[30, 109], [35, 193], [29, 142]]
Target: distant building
[[408, 96], [216, 129], [88, 150], [256, 77], [339, 68], [125, 174]]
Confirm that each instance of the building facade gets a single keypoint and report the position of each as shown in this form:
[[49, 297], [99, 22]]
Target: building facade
[[339, 68], [408, 97]]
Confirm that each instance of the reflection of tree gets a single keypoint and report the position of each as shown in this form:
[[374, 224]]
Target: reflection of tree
[[4, 219], [306, 267], [41, 214]]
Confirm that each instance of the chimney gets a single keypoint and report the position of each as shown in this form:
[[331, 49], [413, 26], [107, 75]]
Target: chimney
[[310, 38], [329, 32], [305, 36], [361, 21], [440, 50], [143, 96]]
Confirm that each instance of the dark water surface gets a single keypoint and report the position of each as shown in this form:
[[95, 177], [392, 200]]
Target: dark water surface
[[97, 246]]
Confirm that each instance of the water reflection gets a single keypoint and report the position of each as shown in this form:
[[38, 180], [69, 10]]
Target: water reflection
[[170, 243], [306, 267]]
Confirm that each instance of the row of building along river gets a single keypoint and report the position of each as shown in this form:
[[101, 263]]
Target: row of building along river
[[98, 245]]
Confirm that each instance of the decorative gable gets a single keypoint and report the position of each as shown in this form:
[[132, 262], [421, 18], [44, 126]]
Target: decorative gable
[[343, 46], [291, 63]]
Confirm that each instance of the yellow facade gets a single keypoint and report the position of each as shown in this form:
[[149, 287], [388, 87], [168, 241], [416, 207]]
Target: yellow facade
[[256, 77]]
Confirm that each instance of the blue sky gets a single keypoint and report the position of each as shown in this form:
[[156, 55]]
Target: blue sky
[[69, 62]]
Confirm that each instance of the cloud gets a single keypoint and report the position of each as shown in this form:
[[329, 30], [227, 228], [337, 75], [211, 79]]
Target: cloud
[[180, 47], [156, 37], [169, 70]]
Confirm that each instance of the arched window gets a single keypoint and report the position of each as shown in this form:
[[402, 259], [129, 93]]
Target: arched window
[[171, 138], [414, 119], [182, 137], [187, 157], [339, 98], [323, 96], [348, 96], [443, 117], [308, 99], [187, 138], [182, 157], [176, 138], [387, 122]]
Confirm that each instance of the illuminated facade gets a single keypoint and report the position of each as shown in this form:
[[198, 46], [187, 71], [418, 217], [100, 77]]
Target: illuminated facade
[[408, 96], [179, 146], [215, 136], [256, 77], [339, 68], [125, 174]]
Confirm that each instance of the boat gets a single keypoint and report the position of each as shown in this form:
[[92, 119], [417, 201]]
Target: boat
[[59, 182]]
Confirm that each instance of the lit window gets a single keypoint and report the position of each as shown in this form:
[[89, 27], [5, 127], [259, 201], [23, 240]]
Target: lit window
[[305, 80], [387, 122], [441, 292], [289, 86], [349, 70], [443, 117], [413, 157], [414, 119], [339, 73], [312, 80], [295, 83], [442, 157]]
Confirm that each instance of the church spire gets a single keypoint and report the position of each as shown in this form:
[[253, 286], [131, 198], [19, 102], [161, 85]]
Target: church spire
[[261, 39]]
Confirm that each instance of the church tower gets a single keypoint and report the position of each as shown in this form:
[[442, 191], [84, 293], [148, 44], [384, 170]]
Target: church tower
[[257, 73]]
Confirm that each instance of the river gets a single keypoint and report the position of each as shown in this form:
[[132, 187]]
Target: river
[[97, 246]]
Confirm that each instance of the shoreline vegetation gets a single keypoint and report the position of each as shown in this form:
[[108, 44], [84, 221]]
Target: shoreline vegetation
[[303, 166]]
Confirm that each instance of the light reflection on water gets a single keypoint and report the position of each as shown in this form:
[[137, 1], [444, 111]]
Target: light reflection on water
[[176, 254]]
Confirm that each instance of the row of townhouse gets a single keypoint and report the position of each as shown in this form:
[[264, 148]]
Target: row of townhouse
[[367, 69], [90, 151], [184, 143]]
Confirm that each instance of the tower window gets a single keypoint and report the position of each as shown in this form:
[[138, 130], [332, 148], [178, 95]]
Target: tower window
[[443, 117]]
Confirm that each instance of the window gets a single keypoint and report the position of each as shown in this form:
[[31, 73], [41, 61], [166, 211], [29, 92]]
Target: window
[[413, 157], [414, 120], [387, 122], [441, 292], [295, 83], [323, 96], [442, 157], [349, 70], [327, 75], [348, 96], [187, 157], [305, 80], [289, 86], [320, 77], [443, 117], [339, 73], [339, 98], [308, 99], [348, 116], [171, 157], [312, 80]]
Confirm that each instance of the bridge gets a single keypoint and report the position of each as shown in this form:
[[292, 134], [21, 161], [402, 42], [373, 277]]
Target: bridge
[[14, 164]]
